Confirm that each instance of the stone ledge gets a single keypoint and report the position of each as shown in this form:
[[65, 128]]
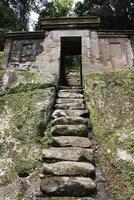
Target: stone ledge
[[26, 35], [71, 23]]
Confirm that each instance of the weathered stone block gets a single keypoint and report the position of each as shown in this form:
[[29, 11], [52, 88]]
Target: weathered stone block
[[70, 130], [68, 154], [15, 81], [65, 186], [68, 168], [71, 141]]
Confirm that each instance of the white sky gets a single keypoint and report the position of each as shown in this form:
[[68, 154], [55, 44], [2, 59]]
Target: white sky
[[34, 17]]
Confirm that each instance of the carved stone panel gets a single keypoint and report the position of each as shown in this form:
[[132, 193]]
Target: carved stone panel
[[25, 50]]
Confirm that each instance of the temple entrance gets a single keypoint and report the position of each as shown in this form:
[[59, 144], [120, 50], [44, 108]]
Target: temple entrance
[[71, 63]]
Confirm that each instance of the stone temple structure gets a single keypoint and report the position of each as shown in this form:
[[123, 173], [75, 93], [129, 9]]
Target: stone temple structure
[[52, 111], [45, 51]]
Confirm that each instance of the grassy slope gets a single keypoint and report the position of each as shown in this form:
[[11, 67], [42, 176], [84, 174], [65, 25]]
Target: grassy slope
[[110, 99]]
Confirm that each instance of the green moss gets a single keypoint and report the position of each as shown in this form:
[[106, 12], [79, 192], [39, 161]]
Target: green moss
[[23, 119], [9, 176], [46, 142], [26, 158], [109, 97], [17, 81], [1, 56], [20, 196], [25, 116]]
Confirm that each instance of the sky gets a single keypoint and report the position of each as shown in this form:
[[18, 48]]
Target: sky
[[34, 17]]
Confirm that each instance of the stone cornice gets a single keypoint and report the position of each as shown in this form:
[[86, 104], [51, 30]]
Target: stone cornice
[[91, 22], [25, 35]]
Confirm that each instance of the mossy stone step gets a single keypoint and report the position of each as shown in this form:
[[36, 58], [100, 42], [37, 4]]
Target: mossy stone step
[[73, 106], [69, 95], [69, 120], [69, 168], [72, 113], [65, 198], [68, 154], [75, 90], [81, 113], [70, 141], [69, 100], [70, 130], [70, 87], [67, 186]]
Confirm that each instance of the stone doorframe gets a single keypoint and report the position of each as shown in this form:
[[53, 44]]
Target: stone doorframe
[[52, 48]]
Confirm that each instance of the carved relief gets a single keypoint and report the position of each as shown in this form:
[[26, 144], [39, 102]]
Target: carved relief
[[25, 50]]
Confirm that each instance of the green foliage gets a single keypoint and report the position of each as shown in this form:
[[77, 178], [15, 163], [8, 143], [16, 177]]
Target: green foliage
[[55, 8], [8, 22], [22, 10], [115, 14], [2, 36], [72, 62]]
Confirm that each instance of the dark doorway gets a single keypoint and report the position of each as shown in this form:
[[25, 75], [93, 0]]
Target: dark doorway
[[71, 63]]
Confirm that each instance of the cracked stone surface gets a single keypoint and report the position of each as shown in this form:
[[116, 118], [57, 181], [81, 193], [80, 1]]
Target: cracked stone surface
[[70, 154], [67, 186], [69, 168], [71, 141], [69, 130], [69, 120]]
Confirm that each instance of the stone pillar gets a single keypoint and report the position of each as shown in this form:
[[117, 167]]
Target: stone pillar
[[7, 50], [91, 53], [130, 54], [95, 54], [48, 60], [86, 52]]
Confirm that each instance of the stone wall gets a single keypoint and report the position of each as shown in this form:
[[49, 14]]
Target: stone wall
[[115, 52], [49, 59], [100, 51], [21, 50]]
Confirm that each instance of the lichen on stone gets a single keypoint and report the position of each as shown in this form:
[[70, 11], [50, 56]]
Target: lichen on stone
[[24, 114], [23, 81], [110, 99]]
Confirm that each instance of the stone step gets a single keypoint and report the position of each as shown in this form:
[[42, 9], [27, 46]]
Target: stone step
[[73, 106], [69, 100], [68, 154], [59, 113], [64, 198], [64, 113], [70, 87], [69, 95], [69, 120], [70, 130], [68, 168], [67, 186], [70, 141], [81, 113], [72, 90]]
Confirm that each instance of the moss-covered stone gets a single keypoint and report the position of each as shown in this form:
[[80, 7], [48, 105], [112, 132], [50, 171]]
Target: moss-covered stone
[[110, 99], [1, 57], [23, 81], [23, 119]]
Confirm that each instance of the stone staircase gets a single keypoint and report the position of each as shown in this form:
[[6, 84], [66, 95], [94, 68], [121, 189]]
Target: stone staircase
[[68, 166]]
